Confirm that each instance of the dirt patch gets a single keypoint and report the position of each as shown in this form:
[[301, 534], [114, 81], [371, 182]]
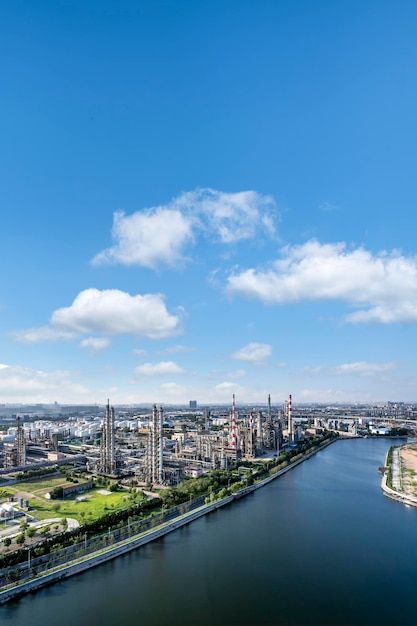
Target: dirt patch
[[408, 456], [104, 492]]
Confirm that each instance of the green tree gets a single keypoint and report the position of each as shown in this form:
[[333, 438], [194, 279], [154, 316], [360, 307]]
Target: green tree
[[57, 493]]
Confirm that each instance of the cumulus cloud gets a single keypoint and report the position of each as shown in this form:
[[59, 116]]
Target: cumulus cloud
[[254, 352], [362, 368], [150, 238], [159, 369], [22, 384], [95, 344], [108, 312], [158, 236], [382, 287]]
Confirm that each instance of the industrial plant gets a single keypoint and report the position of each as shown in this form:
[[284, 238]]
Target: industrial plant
[[162, 446]]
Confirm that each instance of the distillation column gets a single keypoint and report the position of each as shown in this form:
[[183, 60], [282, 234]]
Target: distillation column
[[290, 425], [107, 447], [233, 424], [20, 445], [160, 446], [259, 440]]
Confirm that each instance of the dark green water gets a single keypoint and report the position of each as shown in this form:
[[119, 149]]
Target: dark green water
[[320, 545]]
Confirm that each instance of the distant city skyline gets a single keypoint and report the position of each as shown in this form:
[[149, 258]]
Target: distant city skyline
[[206, 199]]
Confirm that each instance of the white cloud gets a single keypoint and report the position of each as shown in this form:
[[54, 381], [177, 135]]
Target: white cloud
[[173, 390], [312, 371], [223, 392], [159, 369], [236, 375], [382, 287], [108, 312], [157, 236], [22, 384], [225, 386], [139, 352], [362, 368], [95, 344], [179, 349], [232, 217], [150, 238], [254, 352]]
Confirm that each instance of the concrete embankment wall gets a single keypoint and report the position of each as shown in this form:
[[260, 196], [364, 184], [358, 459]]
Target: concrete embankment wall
[[97, 559]]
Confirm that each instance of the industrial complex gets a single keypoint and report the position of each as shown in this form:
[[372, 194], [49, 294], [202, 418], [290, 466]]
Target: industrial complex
[[163, 445]]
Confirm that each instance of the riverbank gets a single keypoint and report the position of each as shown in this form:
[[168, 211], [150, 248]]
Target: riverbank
[[60, 573], [392, 468]]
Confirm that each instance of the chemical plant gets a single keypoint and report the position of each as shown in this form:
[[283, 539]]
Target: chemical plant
[[160, 446], [154, 447]]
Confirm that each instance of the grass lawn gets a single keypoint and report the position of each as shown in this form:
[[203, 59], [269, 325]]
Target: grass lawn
[[94, 506], [43, 485], [91, 506]]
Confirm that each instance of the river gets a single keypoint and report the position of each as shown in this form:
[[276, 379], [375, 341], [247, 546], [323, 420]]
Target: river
[[320, 545]]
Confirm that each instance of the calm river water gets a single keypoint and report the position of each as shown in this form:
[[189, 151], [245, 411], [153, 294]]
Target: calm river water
[[319, 546]]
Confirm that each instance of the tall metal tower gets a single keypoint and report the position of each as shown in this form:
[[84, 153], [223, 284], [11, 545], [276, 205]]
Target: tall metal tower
[[233, 443], [259, 437], [20, 445], [251, 436], [107, 464], [290, 424], [157, 461]]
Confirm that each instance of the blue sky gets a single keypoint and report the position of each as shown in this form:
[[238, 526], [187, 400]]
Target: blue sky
[[207, 198]]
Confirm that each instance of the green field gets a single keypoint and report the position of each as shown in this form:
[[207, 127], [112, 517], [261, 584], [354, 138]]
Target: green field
[[82, 506], [92, 507], [41, 486]]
